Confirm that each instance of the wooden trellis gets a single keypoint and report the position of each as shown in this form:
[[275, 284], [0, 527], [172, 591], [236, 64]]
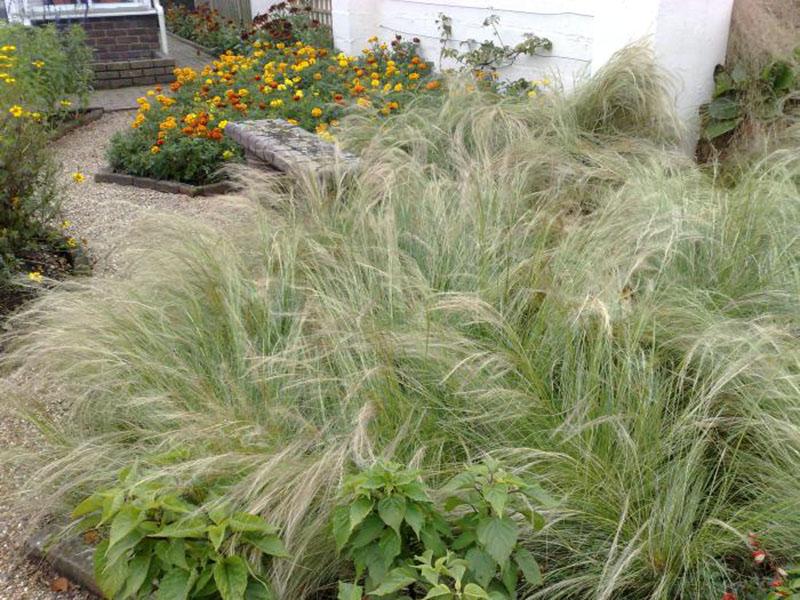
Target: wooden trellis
[[321, 11]]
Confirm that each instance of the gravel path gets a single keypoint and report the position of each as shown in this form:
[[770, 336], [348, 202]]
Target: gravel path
[[102, 214]]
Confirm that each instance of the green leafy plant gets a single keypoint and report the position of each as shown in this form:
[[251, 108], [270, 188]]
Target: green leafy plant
[[204, 26], [156, 539], [486, 58], [403, 543], [740, 95]]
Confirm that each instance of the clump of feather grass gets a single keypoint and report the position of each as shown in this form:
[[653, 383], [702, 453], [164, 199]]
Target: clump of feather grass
[[539, 280]]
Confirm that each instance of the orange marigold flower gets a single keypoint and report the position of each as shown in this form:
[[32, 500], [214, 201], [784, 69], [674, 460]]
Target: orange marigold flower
[[433, 85]]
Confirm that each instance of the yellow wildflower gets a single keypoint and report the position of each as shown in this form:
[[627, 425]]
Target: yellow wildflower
[[16, 111], [65, 103], [316, 112], [155, 150], [35, 276], [227, 155], [78, 177], [38, 64]]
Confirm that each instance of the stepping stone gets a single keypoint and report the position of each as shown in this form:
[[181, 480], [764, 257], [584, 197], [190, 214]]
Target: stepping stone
[[277, 144]]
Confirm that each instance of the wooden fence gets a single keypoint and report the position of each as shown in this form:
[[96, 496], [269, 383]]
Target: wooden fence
[[321, 11]]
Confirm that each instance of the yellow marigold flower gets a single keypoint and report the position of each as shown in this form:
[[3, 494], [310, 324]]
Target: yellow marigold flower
[[373, 39], [78, 177], [326, 135], [8, 48], [16, 111], [292, 121], [316, 112], [35, 276], [38, 64], [363, 102], [151, 92], [398, 87], [343, 63], [222, 124], [10, 80], [227, 155], [36, 116], [155, 150], [72, 242], [531, 93], [413, 76], [276, 103], [374, 82], [65, 103]]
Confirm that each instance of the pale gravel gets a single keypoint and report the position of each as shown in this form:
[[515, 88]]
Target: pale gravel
[[102, 214]]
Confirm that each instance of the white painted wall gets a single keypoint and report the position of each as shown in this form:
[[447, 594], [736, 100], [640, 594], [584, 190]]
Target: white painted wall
[[689, 36]]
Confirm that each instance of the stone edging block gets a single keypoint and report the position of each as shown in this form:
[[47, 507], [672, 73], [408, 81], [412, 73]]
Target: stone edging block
[[159, 185], [72, 559]]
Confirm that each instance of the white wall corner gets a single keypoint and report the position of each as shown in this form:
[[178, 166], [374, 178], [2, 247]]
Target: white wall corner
[[354, 21], [689, 38]]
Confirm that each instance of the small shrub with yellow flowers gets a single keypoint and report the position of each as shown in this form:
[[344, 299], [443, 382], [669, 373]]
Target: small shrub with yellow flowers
[[44, 77], [179, 133]]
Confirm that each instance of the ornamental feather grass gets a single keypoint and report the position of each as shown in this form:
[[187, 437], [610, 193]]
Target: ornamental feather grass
[[548, 281]]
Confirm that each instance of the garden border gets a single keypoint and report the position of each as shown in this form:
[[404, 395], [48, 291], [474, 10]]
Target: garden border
[[90, 115], [163, 185], [72, 559]]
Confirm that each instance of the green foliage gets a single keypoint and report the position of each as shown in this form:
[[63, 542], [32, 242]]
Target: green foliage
[[204, 26], [159, 540], [486, 58], [290, 21], [43, 72], [188, 159], [399, 540], [740, 96]]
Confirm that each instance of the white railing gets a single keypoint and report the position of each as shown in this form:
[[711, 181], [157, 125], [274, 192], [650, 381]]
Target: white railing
[[27, 11], [321, 11]]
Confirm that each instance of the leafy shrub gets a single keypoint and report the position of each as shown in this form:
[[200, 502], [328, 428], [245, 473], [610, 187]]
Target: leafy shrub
[[290, 22], [402, 541], [204, 26], [157, 539], [739, 96], [182, 137], [41, 70]]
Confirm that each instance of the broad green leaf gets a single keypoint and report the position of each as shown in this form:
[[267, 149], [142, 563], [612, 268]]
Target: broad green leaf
[[112, 502], [714, 129], [529, 567], [453, 502], [508, 574], [258, 590], [175, 504], [122, 547], [216, 533], [536, 492], [724, 108], [414, 517], [349, 591], [432, 541], [268, 544], [498, 536], [204, 581], [110, 581], [124, 522], [176, 553], [392, 510], [497, 496], [137, 574], [415, 491], [242, 522], [193, 527], [389, 546], [481, 565], [465, 479], [175, 585], [370, 530], [780, 76], [230, 575], [475, 592], [722, 83], [464, 540], [438, 591], [739, 73], [359, 510], [341, 526], [89, 505], [395, 580]]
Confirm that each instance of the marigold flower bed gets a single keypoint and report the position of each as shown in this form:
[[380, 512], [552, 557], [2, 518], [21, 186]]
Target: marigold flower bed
[[179, 134]]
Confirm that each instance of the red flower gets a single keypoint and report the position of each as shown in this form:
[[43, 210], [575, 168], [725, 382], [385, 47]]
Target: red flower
[[777, 582], [759, 556], [728, 596]]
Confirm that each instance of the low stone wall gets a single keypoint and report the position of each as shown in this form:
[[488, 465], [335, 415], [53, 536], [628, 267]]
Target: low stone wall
[[123, 73]]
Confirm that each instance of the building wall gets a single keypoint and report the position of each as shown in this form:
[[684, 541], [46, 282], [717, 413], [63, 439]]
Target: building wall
[[689, 37], [121, 37]]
